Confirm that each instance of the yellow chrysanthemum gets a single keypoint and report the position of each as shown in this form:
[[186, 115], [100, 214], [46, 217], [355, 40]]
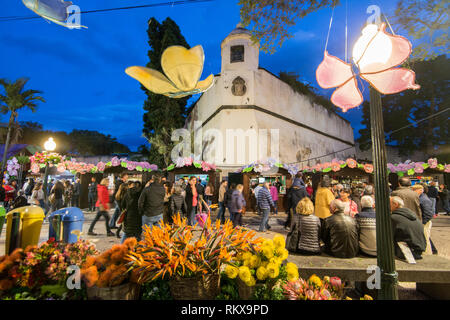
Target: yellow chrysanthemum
[[315, 280], [251, 282], [246, 255], [267, 252], [244, 273], [268, 243], [279, 241], [264, 263], [254, 261], [231, 272], [292, 274], [261, 273], [284, 254], [291, 266], [273, 270]]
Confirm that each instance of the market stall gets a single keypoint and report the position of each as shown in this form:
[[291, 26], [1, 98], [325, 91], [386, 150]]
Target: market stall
[[185, 168], [272, 172]]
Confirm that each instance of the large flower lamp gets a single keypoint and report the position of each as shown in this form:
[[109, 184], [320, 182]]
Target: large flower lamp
[[182, 71], [376, 55]]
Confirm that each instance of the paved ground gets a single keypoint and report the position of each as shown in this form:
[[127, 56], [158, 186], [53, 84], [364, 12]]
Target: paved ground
[[440, 235]]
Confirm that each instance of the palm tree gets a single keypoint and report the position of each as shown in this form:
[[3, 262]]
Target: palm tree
[[15, 98]]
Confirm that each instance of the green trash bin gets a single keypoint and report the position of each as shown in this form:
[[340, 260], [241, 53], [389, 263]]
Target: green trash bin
[[2, 218]]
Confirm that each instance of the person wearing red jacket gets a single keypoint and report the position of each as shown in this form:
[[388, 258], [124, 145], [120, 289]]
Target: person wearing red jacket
[[103, 207]]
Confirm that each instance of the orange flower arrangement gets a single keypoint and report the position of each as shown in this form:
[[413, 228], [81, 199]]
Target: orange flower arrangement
[[168, 250], [109, 269]]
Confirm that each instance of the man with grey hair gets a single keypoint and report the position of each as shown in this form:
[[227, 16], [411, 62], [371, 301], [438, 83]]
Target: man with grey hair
[[409, 197], [367, 226], [340, 233], [406, 228]]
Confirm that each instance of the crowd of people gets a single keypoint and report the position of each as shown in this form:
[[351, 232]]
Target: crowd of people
[[61, 193], [137, 205], [342, 221]]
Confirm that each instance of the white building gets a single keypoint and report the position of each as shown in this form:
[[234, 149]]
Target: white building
[[247, 99]]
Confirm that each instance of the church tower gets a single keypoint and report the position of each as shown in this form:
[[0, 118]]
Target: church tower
[[239, 52]]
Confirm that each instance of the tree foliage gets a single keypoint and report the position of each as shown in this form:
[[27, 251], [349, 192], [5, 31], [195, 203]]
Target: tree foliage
[[428, 23], [163, 114], [406, 108], [77, 142], [270, 20]]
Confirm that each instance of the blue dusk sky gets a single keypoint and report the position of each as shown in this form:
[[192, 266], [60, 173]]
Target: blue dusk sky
[[81, 72]]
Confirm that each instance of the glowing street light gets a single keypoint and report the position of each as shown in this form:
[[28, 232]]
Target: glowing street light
[[50, 145]]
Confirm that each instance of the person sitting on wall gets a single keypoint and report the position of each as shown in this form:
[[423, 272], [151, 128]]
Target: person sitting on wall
[[340, 233], [366, 221], [406, 228]]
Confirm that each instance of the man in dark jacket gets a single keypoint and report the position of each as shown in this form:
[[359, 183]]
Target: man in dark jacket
[[227, 199], [151, 202], [433, 195], [409, 197], [443, 196], [296, 193], [340, 233], [407, 228], [76, 193], [92, 194]]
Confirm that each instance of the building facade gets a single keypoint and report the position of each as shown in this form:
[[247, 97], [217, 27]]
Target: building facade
[[251, 115]]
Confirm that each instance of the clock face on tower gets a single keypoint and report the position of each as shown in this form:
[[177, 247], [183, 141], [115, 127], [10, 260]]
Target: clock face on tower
[[237, 54]]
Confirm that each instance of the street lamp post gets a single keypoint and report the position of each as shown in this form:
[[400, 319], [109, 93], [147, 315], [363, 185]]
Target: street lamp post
[[49, 145], [380, 53], [385, 242]]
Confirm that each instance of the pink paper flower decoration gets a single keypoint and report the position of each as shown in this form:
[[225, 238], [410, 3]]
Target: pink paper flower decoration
[[333, 72], [101, 166], [418, 169], [351, 163], [35, 168], [61, 167], [368, 168], [335, 167], [433, 163], [115, 162], [447, 168]]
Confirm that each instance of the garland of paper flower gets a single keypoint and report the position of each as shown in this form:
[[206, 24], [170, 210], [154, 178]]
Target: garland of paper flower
[[39, 160], [188, 162], [408, 168]]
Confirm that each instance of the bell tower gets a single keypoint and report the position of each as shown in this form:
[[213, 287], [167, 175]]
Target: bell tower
[[239, 52]]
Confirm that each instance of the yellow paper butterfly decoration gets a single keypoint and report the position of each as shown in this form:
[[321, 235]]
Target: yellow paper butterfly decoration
[[183, 69]]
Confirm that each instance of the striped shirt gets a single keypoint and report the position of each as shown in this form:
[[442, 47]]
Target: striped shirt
[[265, 199]]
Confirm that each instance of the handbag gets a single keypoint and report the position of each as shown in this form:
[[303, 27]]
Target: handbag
[[202, 217], [122, 216]]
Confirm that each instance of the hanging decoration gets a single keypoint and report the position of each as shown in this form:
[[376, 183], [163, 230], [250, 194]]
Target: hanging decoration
[[188, 162], [375, 54], [183, 69], [56, 11]]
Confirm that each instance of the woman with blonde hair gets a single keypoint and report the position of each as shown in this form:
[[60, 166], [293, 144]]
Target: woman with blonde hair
[[304, 237], [103, 207]]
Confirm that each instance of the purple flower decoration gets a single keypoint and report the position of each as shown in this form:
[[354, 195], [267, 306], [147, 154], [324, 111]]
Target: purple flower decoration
[[101, 166], [180, 163], [153, 167], [433, 163], [418, 169], [115, 162], [131, 165]]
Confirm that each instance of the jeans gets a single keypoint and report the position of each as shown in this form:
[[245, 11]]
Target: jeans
[[75, 201], [231, 215], [221, 214], [115, 216], [237, 219], [191, 216], [152, 221], [92, 198], [265, 219], [433, 204], [275, 208], [97, 217]]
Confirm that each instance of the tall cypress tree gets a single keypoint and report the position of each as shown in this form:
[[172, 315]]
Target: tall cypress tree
[[163, 114]]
